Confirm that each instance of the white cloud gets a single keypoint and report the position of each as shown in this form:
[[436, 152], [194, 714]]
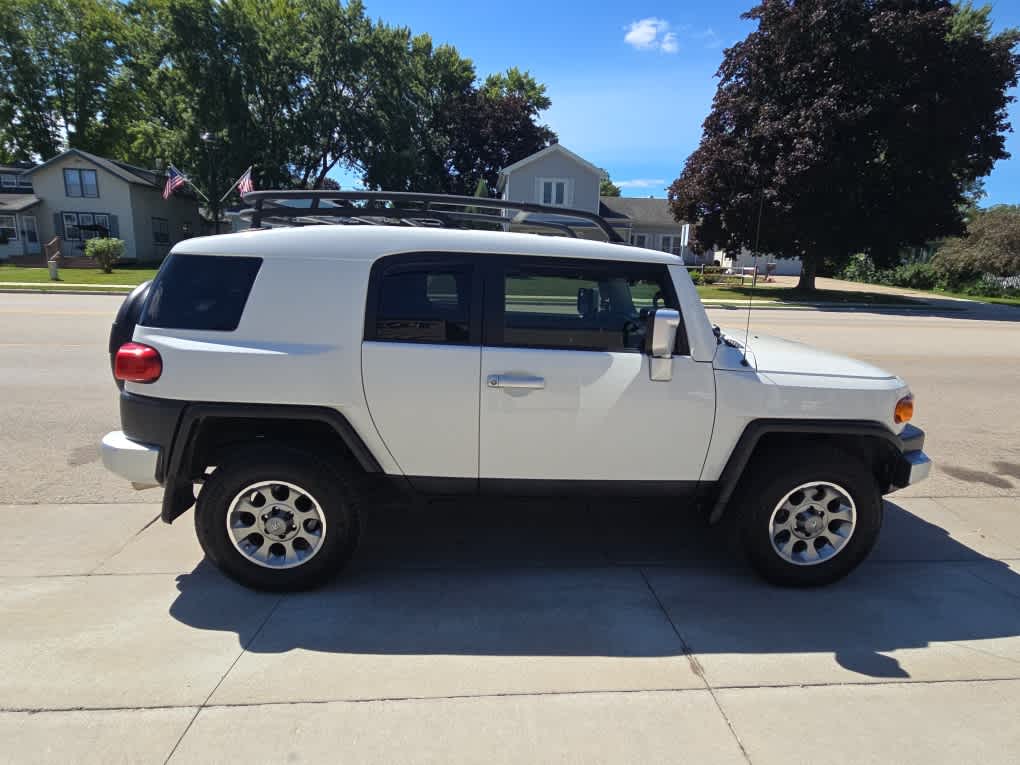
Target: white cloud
[[651, 34], [709, 38], [642, 183]]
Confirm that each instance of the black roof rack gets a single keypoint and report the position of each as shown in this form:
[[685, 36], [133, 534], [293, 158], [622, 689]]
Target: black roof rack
[[408, 208]]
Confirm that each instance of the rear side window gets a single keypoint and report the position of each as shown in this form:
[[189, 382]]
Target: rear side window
[[423, 303], [200, 292]]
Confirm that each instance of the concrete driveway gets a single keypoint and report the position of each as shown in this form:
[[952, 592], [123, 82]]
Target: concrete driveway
[[524, 632]]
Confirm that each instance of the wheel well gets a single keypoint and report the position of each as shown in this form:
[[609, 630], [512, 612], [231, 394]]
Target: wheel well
[[215, 438], [875, 452]]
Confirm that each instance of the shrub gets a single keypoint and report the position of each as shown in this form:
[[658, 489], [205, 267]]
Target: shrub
[[861, 268], [696, 277], [105, 251], [918, 276]]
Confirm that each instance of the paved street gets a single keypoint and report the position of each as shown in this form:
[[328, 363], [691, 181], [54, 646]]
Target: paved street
[[527, 632]]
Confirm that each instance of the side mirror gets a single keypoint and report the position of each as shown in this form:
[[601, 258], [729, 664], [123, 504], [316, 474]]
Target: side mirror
[[662, 328]]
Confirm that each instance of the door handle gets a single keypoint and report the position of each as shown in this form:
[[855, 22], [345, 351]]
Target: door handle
[[525, 382]]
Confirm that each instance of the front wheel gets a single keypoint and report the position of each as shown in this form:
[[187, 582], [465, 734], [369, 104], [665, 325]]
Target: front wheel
[[809, 518], [278, 519]]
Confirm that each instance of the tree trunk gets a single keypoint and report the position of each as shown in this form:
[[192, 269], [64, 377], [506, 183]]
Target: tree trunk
[[807, 274]]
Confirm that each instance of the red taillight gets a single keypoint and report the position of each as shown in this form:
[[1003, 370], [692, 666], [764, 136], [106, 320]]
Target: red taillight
[[137, 363]]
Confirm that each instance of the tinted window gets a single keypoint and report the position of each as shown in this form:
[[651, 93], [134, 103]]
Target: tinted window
[[200, 292], [424, 304], [581, 306]]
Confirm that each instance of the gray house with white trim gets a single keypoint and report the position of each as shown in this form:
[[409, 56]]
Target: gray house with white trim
[[19, 221], [80, 196], [557, 176]]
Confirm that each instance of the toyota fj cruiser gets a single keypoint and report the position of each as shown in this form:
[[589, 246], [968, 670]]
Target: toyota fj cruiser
[[285, 368]]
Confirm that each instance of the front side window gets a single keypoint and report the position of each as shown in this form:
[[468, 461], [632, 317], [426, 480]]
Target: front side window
[[421, 303], [71, 231], [160, 231], [671, 244], [80, 183], [579, 305], [639, 240], [9, 181], [8, 228], [102, 224], [553, 191], [87, 225]]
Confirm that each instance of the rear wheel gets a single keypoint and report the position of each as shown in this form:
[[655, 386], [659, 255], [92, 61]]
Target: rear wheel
[[810, 518], [278, 519]]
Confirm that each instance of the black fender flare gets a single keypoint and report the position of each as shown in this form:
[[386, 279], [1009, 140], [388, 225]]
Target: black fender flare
[[754, 431], [179, 494]]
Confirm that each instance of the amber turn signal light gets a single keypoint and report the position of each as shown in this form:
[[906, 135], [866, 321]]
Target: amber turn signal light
[[904, 410]]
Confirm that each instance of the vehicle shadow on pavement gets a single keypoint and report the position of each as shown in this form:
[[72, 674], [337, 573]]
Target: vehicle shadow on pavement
[[533, 579]]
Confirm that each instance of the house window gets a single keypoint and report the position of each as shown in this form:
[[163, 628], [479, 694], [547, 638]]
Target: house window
[[8, 228], [160, 231], [639, 240], [103, 222], [553, 191], [9, 181], [80, 183], [71, 232], [87, 225], [671, 244]]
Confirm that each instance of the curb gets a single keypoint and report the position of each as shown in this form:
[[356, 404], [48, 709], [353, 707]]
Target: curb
[[58, 291]]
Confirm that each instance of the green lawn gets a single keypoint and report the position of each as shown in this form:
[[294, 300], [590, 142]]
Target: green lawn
[[999, 300], [794, 295], [40, 276]]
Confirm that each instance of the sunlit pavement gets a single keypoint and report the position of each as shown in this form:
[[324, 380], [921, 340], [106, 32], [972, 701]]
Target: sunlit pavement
[[518, 632]]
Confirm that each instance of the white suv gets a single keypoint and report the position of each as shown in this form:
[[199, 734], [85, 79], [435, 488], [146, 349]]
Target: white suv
[[285, 370]]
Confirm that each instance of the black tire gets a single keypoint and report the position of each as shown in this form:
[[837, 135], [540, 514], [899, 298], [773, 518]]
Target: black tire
[[332, 487], [772, 479]]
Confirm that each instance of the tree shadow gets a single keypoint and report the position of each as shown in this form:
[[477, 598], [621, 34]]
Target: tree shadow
[[544, 579]]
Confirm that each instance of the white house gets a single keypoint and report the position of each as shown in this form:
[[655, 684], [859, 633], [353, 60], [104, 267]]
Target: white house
[[19, 220], [79, 196]]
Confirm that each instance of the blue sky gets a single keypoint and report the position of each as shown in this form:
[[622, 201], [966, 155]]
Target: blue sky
[[630, 83]]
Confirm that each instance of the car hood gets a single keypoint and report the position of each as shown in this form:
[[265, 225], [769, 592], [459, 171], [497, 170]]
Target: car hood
[[774, 354]]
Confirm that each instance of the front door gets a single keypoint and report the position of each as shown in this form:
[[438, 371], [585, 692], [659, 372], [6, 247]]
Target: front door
[[31, 230], [566, 391], [419, 361]]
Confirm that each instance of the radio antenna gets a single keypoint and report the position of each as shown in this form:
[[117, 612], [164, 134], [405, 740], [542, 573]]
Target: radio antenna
[[754, 277]]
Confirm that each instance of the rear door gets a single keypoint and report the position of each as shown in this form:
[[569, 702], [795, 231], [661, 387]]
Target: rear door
[[420, 362], [567, 393]]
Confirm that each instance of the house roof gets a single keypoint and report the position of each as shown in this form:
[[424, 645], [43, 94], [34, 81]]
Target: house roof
[[557, 148], [16, 167], [17, 202], [122, 170], [649, 212]]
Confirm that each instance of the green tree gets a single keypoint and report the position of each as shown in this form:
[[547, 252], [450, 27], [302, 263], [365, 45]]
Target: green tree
[[990, 246], [856, 126], [60, 76], [607, 188]]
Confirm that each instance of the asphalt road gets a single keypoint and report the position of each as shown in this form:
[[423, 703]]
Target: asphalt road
[[527, 632]]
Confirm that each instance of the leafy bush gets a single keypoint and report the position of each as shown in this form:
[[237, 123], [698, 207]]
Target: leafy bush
[[917, 276], [861, 268], [105, 251], [991, 246], [696, 277]]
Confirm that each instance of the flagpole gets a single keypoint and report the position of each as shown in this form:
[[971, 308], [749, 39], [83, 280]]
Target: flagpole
[[193, 186], [234, 185]]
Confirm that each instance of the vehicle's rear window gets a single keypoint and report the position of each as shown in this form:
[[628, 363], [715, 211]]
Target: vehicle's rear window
[[200, 292]]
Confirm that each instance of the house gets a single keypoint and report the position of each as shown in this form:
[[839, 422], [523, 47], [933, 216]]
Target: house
[[79, 196], [557, 176], [19, 221]]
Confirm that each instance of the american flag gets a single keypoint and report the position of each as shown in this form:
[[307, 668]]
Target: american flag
[[174, 179], [245, 183]]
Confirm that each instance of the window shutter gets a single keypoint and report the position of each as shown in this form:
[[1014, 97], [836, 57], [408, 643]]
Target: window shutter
[[114, 228], [58, 224]]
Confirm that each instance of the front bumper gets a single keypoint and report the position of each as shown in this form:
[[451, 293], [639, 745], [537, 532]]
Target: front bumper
[[914, 465], [130, 459]]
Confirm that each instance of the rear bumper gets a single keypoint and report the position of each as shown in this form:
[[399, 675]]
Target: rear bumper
[[913, 465], [130, 459]]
